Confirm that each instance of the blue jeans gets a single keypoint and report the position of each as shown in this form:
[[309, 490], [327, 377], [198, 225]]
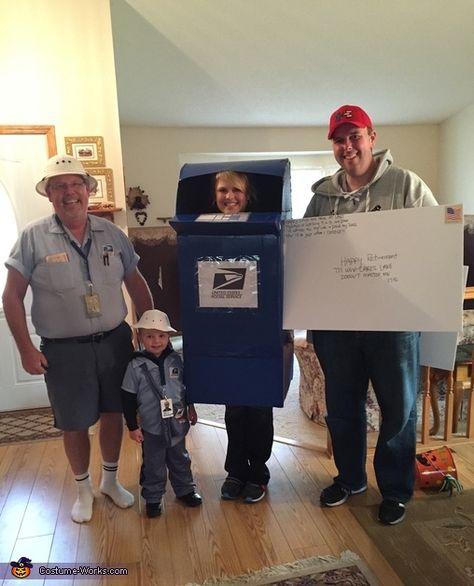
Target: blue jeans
[[391, 361]]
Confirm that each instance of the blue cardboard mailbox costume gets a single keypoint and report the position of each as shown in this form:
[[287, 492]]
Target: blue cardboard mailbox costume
[[231, 286]]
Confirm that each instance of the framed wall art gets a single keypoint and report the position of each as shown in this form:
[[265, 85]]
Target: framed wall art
[[87, 149], [104, 194]]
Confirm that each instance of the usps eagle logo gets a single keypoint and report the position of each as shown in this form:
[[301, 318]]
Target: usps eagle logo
[[229, 279]]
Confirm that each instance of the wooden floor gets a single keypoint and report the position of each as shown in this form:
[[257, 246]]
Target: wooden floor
[[183, 545]]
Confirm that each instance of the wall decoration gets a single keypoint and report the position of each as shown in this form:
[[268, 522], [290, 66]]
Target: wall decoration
[[87, 149], [104, 194], [138, 200], [141, 218]]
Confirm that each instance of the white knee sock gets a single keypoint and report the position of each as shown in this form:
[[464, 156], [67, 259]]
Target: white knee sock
[[112, 487], [82, 508]]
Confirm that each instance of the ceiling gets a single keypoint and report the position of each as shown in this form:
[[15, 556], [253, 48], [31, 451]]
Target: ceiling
[[291, 62]]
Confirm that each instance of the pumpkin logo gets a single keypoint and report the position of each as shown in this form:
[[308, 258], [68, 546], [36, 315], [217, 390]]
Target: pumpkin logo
[[21, 568]]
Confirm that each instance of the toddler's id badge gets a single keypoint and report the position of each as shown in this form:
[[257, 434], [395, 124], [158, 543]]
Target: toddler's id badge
[[166, 408], [92, 301]]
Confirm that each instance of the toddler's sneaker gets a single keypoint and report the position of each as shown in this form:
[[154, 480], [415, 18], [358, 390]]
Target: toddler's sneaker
[[192, 499], [153, 510]]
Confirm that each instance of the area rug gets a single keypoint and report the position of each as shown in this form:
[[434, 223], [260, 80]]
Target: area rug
[[347, 570], [27, 425], [435, 542]]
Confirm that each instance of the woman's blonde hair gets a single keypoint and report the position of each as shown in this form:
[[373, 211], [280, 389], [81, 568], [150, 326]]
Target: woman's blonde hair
[[249, 189]]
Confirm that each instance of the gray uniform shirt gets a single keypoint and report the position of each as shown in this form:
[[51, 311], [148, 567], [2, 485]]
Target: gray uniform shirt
[[59, 276], [148, 404]]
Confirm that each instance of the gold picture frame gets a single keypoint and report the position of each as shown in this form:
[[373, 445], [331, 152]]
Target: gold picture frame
[[87, 149], [104, 194]]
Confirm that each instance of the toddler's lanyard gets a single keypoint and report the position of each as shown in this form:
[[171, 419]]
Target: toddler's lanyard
[[154, 387], [167, 429]]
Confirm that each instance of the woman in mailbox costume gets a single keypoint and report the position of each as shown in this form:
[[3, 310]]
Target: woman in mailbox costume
[[249, 429]]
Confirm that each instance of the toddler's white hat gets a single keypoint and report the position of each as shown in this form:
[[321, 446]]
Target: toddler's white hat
[[154, 319]]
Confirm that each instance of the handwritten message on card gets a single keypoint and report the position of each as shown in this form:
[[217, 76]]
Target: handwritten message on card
[[372, 266]]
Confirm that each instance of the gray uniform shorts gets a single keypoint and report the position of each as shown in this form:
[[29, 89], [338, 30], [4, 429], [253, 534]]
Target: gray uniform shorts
[[84, 377]]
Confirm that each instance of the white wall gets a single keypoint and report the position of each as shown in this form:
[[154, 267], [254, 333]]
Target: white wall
[[57, 68], [457, 156], [152, 155]]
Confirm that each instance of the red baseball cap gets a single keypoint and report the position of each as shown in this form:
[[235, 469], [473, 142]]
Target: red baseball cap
[[349, 115]]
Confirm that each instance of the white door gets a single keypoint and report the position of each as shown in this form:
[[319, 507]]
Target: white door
[[22, 160]]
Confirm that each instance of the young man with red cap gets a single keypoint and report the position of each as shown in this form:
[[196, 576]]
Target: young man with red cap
[[368, 182]]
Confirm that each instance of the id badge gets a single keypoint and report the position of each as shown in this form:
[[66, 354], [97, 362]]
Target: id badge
[[166, 408], [92, 301]]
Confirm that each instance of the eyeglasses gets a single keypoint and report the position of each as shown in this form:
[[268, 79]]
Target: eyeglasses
[[65, 186]]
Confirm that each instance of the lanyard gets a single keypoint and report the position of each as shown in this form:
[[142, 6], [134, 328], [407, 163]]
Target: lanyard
[[82, 252], [154, 387]]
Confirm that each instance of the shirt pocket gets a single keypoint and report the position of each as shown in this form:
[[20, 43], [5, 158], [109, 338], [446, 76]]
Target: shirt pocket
[[113, 271], [54, 276]]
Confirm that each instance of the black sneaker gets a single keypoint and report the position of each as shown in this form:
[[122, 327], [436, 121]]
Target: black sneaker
[[192, 499], [253, 493], [336, 495], [231, 489], [391, 512], [153, 510]]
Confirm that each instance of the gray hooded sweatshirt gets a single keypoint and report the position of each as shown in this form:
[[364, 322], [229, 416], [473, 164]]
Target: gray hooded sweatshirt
[[391, 188]]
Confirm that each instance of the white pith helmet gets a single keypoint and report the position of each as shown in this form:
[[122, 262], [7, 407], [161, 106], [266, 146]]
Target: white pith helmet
[[64, 165], [154, 319]]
